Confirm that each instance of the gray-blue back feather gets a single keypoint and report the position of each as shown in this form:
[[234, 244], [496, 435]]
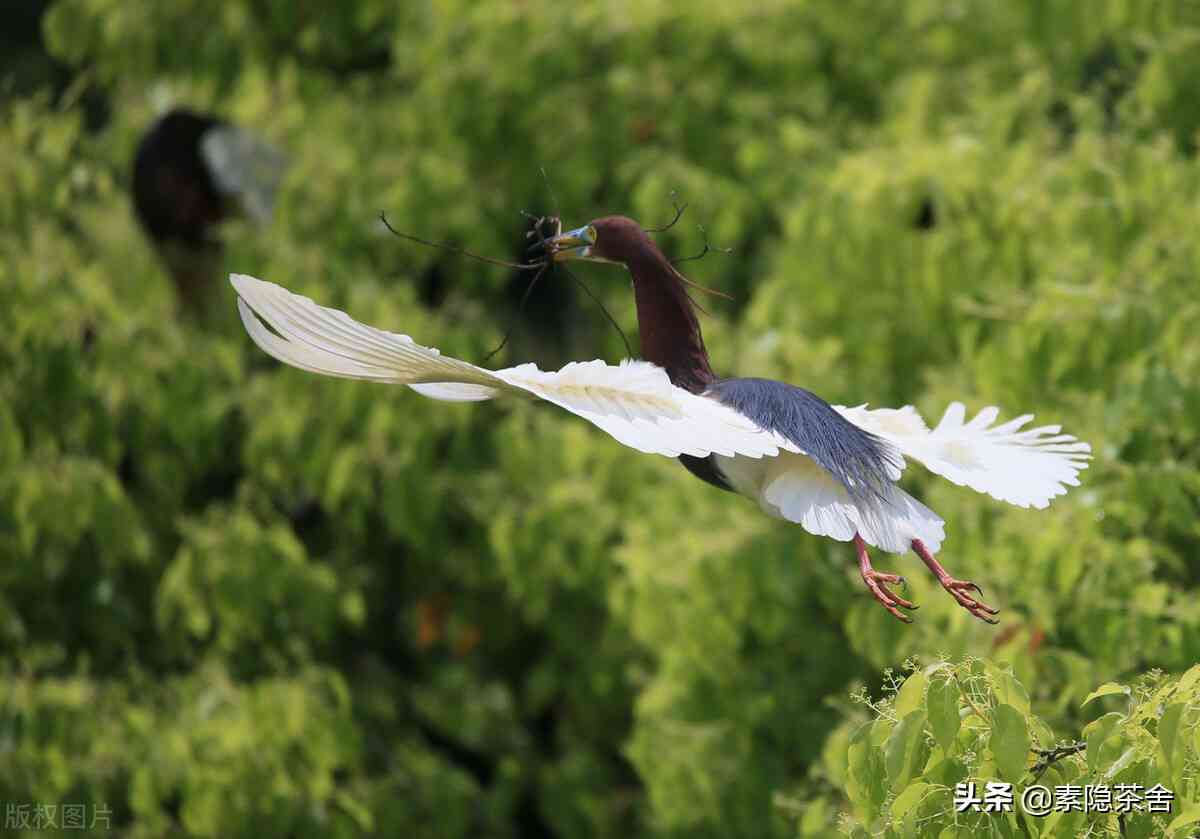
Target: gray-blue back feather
[[859, 460]]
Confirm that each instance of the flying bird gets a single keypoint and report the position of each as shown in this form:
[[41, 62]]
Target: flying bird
[[192, 171], [831, 469]]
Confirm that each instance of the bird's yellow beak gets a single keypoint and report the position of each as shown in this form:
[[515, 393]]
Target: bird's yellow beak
[[574, 244]]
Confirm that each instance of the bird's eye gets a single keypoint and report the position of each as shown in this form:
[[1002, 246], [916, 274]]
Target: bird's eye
[[592, 233]]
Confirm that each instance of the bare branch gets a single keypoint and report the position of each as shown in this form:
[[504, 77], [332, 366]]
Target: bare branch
[[1048, 757], [520, 266], [708, 248], [536, 230], [550, 189], [617, 326], [679, 208], [520, 310], [697, 286]]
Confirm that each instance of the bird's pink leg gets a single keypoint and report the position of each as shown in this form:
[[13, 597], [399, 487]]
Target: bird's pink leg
[[958, 588], [877, 581]]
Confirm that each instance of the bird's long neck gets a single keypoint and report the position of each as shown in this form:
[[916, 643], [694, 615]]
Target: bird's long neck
[[667, 323]]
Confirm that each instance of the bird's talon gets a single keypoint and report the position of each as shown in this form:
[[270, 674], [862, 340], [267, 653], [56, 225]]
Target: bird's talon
[[958, 590], [896, 613], [877, 583]]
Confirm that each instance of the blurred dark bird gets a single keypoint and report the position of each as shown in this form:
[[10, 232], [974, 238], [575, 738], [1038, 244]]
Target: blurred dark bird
[[191, 172], [831, 469]]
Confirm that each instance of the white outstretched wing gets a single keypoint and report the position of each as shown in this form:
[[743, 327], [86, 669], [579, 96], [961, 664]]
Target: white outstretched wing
[[634, 402], [1025, 468]]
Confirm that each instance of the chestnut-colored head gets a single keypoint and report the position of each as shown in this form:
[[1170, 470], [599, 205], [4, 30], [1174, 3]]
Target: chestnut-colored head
[[609, 239]]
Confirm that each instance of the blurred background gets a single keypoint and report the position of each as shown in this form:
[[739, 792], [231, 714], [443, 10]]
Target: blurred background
[[240, 600]]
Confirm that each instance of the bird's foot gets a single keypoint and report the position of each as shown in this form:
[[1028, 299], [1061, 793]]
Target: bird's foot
[[958, 589], [877, 583]]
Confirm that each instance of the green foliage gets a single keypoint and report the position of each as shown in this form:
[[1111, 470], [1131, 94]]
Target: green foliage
[[240, 600], [904, 771]]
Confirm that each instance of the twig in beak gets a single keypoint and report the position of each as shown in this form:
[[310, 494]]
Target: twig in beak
[[542, 241]]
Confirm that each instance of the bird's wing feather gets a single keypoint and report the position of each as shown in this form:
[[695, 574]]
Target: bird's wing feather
[[1025, 468], [634, 402], [455, 391], [327, 341]]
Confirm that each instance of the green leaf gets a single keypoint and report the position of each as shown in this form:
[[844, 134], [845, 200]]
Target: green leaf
[[908, 799], [1188, 680], [1097, 733], [834, 755], [1190, 815], [1168, 731], [880, 730], [1120, 763], [905, 750], [1007, 689], [910, 695], [865, 774], [941, 703], [946, 772], [1106, 689], [1009, 742]]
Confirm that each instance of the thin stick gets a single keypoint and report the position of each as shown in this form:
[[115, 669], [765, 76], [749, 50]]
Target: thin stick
[[708, 248], [596, 299], [550, 189], [520, 309], [1048, 757], [679, 208], [520, 266], [696, 285]]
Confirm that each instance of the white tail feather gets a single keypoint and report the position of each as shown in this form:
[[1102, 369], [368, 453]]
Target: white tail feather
[[794, 488]]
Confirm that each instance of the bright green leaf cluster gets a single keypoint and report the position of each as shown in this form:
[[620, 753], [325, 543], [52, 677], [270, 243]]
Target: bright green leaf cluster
[[970, 721]]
